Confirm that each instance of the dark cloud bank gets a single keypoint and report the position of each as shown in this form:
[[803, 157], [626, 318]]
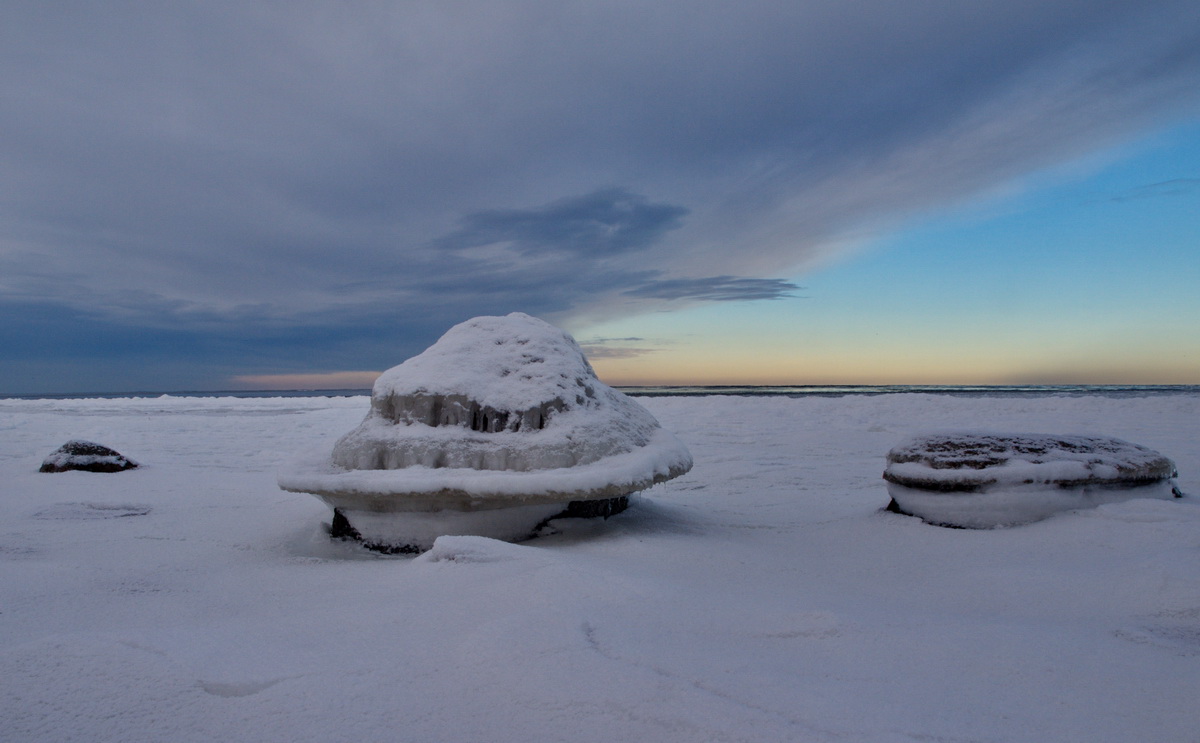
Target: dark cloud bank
[[198, 190]]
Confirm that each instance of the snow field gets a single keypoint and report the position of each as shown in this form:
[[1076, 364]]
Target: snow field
[[762, 597]]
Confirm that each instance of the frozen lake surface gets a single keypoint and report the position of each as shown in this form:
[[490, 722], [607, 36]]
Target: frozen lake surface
[[762, 597]]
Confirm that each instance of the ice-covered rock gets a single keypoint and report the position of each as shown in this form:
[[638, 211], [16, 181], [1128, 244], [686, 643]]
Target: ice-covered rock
[[86, 456], [983, 480], [496, 428]]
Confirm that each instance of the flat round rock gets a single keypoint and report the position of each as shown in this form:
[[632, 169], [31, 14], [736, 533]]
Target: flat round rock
[[970, 461], [982, 480]]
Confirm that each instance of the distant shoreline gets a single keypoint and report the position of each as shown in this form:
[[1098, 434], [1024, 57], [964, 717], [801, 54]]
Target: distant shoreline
[[694, 391]]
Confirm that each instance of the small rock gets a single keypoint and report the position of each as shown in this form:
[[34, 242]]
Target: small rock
[[86, 456]]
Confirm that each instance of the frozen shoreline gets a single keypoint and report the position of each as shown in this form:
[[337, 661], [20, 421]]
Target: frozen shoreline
[[764, 596]]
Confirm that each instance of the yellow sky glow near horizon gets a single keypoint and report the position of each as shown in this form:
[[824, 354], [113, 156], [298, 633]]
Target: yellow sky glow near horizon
[[866, 367]]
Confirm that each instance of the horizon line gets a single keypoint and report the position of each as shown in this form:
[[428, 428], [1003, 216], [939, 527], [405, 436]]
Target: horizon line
[[356, 391]]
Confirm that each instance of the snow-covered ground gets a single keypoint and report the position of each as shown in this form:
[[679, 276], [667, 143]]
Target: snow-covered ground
[[762, 597]]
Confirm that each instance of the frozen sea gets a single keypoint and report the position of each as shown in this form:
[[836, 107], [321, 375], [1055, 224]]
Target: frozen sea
[[762, 597]]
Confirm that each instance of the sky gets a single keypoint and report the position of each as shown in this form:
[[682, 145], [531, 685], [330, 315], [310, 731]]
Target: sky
[[223, 195]]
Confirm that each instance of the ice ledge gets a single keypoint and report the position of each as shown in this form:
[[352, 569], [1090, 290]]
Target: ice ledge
[[421, 489], [1017, 505]]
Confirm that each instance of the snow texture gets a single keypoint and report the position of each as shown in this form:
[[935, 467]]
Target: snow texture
[[764, 596], [501, 412], [472, 549], [982, 480]]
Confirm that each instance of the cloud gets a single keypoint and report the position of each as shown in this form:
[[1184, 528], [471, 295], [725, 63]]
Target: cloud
[[603, 223], [1173, 187], [621, 348], [309, 187], [593, 351], [343, 380], [715, 289]]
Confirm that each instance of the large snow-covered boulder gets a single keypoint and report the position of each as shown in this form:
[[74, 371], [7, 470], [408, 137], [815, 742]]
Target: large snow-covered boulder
[[495, 428], [984, 480], [86, 456]]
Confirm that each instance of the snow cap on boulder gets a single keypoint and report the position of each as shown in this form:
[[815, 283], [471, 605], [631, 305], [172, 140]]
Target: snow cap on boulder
[[493, 374], [497, 427], [510, 393]]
